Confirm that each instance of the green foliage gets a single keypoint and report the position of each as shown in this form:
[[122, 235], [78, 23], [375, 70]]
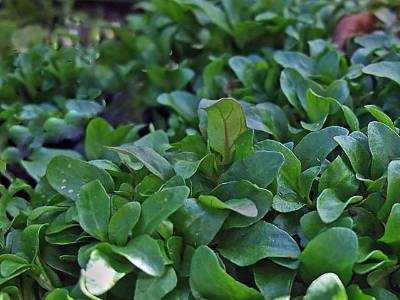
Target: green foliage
[[267, 166]]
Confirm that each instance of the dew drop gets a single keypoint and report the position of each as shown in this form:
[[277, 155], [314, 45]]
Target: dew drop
[[70, 191], [63, 187], [69, 166], [64, 180]]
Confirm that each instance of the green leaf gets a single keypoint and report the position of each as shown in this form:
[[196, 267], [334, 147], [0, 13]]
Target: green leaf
[[306, 180], [122, 223], [198, 223], [98, 133], [184, 103], [30, 241], [210, 281], [274, 281], [393, 189], [246, 246], [330, 207], [350, 117], [226, 122], [159, 206], [295, 60], [267, 117], [291, 167], [391, 235], [83, 108], [357, 152], [241, 66], [327, 286], [379, 115], [153, 161], [58, 294], [100, 275], [216, 15], [244, 144], [334, 250], [68, 175], [317, 107], [144, 253], [384, 144], [93, 207], [262, 198], [315, 146], [244, 207], [355, 293], [247, 168], [386, 69], [339, 178], [38, 161], [149, 288]]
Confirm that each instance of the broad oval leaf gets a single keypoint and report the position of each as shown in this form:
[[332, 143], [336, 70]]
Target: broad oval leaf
[[122, 222], [249, 169], [384, 144], [291, 167], [143, 252], [149, 288], [210, 281], [67, 175], [274, 281], [246, 246], [386, 69], [93, 207], [159, 206], [243, 189], [327, 286], [225, 123], [152, 160], [334, 250], [315, 146], [198, 223]]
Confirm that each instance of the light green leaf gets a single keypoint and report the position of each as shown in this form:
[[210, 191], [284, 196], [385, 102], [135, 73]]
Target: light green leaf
[[291, 167], [159, 206], [327, 286], [210, 281], [391, 235], [226, 122], [392, 191], [384, 144], [67, 175], [330, 207], [386, 69], [122, 222], [153, 161], [244, 206], [379, 115], [93, 207], [144, 253]]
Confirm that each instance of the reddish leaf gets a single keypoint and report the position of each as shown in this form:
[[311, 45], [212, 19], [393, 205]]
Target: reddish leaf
[[350, 26]]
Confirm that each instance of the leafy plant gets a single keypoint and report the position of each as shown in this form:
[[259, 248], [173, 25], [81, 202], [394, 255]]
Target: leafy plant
[[267, 168]]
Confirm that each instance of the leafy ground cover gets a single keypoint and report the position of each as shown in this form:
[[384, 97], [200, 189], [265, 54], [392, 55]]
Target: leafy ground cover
[[201, 149]]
